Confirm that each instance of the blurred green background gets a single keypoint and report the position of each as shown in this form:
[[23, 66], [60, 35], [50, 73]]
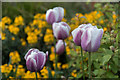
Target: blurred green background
[[29, 9]]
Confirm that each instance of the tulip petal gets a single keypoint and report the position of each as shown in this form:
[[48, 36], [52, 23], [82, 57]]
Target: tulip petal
[[95, 40], [31, 64], [51, 16], [60, 12], [60, 47], [28, 53], [65, 24], [63, 32], [41, 60], [85, 39]]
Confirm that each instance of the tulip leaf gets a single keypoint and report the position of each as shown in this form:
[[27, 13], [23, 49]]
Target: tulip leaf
[[114, 68], [99, 72], [105, 58]]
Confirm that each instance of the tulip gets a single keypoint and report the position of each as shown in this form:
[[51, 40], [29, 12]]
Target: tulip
[[77, 33], [60, 48], [90, 39], [35, 60], [61, 30], [54, 15]]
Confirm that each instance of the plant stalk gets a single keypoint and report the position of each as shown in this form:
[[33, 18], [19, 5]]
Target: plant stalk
[[36, 75], [89, 62], [82, 64]]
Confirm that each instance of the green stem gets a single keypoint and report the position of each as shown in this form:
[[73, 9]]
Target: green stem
[[55, 58], [64, 46], [36, 75], [82, 64], [89, 61]]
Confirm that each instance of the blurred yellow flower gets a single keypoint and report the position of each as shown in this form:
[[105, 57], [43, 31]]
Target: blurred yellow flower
[[44, 72], [3, 36], [6, 69], [15, 57], [19, 21], [32, 38], [74, 73], [58, 65], [13, 29], [64, 66], [23, 42], [13, 38], [105, 29], [6, 20]]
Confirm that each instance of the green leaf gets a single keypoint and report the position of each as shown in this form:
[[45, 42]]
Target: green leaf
[[114, 68], [111, 75], [105, 59], [99, 72]]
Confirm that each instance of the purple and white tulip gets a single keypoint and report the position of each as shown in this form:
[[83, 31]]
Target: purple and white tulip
[[54, 15], [35, 60], [90, 39], [77, 33], [60, 48], [61, 30]]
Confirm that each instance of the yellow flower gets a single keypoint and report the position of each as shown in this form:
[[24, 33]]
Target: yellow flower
[[52, 57], [74, 73], [13, 38], [19, 20], [6, 20], [53, 73], [64, 66], [15, 57], [32, 38], [6, 69], [114, 16], [3, 36], [58, 65], [29, 75], [13, 29], [23, 42], [105, 29], [44, 72], [48, 38], [27, 29]]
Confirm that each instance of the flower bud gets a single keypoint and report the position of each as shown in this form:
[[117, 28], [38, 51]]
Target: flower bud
[[54, 15], [61, 30], [35, 60], [60, 48]]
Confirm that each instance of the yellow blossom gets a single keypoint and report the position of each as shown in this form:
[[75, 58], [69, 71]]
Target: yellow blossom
[[19, 20], [3, 36], [58, 65], [105, 29], [6, 69], [15, 57], [6, 20], [74, 73], [13, 38], [44, 72], [64, 66]]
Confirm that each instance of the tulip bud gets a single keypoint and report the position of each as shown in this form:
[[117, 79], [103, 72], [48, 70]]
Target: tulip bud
[[35, 60], [90, 39], [61, 30], [54, 15], [60, 48], [77, 33]]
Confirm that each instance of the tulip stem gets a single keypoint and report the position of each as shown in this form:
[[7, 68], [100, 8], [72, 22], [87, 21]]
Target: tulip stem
[[82, 64], [55, 58], [89, 61], [64, 45], [36, 75]]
